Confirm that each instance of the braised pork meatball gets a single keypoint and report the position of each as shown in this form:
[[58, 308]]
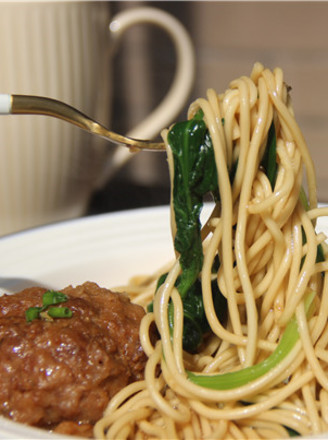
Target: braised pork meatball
[[62, 373]]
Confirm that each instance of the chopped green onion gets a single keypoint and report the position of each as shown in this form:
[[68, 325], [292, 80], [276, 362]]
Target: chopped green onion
[[52, 297], [32, 313], [49, 298], [59, 312]]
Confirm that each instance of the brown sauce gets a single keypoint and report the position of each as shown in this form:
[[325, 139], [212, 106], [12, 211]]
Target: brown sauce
[[61, 374]]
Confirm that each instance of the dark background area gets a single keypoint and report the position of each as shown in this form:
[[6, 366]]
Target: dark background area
[[229, 37], [128, 190]]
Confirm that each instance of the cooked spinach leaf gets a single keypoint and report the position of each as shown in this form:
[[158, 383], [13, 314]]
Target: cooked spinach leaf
[[195, 324], [269, 160], [194, 175]]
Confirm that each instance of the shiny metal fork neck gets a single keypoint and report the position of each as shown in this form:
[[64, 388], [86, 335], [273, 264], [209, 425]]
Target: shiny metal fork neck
[[39, 105]]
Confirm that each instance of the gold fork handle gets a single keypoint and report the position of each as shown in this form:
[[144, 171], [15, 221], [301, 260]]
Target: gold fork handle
[[40, 105]]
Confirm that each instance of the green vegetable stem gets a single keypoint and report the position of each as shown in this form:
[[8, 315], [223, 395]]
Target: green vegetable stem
[[242, 377]]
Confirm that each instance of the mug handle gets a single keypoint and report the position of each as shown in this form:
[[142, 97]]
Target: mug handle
[[182, 83]]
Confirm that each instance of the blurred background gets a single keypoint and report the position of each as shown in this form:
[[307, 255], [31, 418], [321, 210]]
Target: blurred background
[[228, 38], [63, 49]]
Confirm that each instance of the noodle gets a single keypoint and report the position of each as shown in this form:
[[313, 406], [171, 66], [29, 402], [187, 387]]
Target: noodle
[[271, 276]]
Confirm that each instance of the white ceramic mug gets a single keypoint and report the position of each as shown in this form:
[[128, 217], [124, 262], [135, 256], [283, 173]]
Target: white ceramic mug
[[48, 168]]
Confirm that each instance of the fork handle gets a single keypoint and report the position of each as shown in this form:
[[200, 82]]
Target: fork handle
[[40, 105], [5, 104]]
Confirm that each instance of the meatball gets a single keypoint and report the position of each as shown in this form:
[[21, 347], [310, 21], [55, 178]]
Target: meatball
[[64, 371]]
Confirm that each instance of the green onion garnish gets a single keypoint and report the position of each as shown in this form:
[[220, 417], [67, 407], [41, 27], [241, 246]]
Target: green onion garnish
[[32, 313], [53, 297], [60, 312], [50, 298]]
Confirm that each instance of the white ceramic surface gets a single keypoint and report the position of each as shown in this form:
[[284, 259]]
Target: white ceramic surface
[[64, 50], [107, 249]]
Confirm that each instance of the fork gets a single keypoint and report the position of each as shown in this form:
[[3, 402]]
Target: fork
[[40, 105]]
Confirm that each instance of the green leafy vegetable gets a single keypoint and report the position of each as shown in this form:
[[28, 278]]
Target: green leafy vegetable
[[227, 381], [195, 322], [194, 175], [269, 160], [292, 432], [304, 199], [49, 299]]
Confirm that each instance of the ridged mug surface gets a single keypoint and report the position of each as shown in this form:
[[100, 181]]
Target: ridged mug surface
[[60, 50]]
